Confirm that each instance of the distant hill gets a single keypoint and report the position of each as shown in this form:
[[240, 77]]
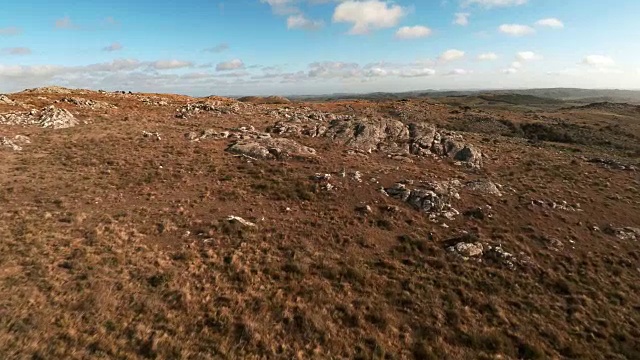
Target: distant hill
[[563, 94]]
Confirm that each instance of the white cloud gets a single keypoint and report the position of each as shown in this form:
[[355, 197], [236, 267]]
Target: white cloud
[[598, 61], [334, 69], [451, 55], [516, 29], [282, 7], [230, 65], [510, 71], [413, 32], [455, 72], [516, 65], [299, 21], [171, 64], [488, 56], [368, 15], [11, 30], [113, 47], [16, 51], [376, 71], [550, 22], [494, 3], [527, 56], [461, 19], [408, 73]]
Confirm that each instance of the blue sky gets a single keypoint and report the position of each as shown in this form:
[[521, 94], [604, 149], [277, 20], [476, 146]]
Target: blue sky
[[201, 47]]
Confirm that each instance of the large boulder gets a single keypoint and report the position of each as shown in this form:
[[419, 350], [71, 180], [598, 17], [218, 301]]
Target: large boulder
[[369, 135]]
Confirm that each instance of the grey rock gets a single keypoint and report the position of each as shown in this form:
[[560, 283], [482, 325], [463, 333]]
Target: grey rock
[[271, 148]]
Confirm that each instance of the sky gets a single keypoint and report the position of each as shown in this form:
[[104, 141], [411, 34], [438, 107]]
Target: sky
[[296, 47]]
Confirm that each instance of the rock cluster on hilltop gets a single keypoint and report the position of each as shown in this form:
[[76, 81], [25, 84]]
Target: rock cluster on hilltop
[[215, 107], [49, 117], [386, 135], [87, 103]]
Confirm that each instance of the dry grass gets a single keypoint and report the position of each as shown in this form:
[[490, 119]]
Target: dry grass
[[115, 246]]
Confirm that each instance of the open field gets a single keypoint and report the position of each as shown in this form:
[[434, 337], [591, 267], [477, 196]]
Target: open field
[[492, 226]]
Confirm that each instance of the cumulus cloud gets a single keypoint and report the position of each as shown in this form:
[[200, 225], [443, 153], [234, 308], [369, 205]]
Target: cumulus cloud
[[413, 32], [488, 56], [113, 47], [451, 55], [11, 30], [509, 71], [218, 48], [598, 61], [416, 72], [550, 22], [234, 64], [299, 21], [16, 51], [368, 15], [461, 19], [494, 3], [516, 65], [171, 64], [282, 7], [516, 29], [332, 69], [527, 56]]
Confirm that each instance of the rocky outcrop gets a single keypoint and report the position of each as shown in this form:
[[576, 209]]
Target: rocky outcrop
[[369, 135], [87, 103], [386, 135], [271, 148], [16, 143], [50, 117], [485, 187], [433, 197], [215, 107], [5, 100]]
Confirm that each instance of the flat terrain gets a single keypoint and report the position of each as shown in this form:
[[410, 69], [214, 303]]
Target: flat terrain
[[493, 226]]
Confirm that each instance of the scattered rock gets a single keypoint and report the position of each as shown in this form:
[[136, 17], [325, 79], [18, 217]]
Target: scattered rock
[[626, 233], [271, 148], [432, 197], [16, 143], [241, 221], [154, 101], [487, 253], [152, 135], [483, 187], [613, 164], [467, 250], [364, 209], [265, 100], [563, 205], [53, 90], [87, 103], [215, 107]]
